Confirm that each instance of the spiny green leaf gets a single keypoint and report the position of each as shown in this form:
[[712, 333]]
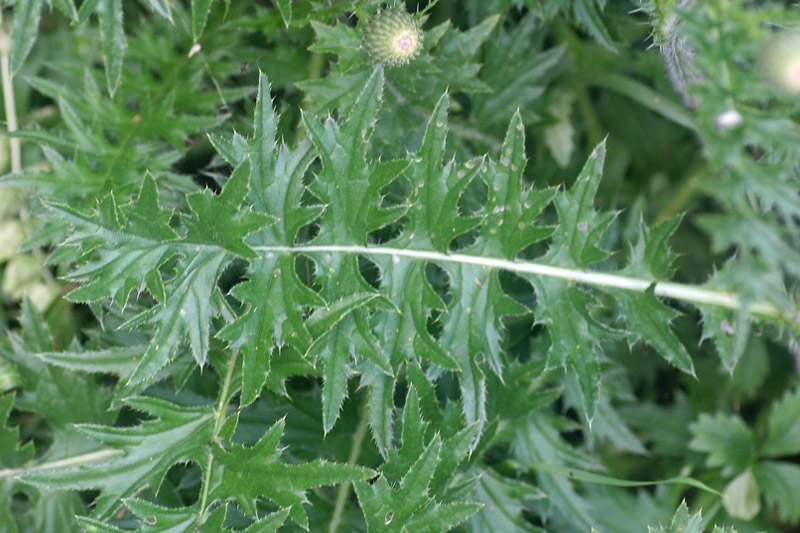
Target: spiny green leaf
[[185, 316], [178, 434], [682, 522], [247, 474], [216, 219], [413, 478]]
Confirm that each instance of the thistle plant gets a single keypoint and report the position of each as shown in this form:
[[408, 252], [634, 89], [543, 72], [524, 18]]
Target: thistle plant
[[314, 275]]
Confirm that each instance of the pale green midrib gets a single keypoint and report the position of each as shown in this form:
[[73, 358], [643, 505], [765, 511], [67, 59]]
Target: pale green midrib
[[62, 463], [677, 291]]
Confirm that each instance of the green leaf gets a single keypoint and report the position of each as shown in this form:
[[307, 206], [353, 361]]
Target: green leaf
[[247, 474], [27, 14], [592, 477], [285, 7], [119, 360], [504, 500], [727, 440], [185, 316], [650, 321], [273, 292], [200, 9], [12, 455], [742, 497], [133, 252], [404, 497], [146, 452], [68, 8], [563, 307], [588, 17], [780, 483], [217, 218], [682, 522], [161, 7], [783, 431], [537, 441], [113, 36]]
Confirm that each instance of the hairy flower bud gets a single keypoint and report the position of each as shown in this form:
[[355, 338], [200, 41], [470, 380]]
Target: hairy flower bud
[[392, 37], [780, 61]]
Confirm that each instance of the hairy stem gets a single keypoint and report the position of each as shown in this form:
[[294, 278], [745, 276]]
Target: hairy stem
[[61, 463], [221, 410], [677, 291], [355, 451]]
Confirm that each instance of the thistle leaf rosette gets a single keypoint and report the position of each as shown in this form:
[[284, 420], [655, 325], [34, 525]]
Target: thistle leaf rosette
[[392, 37]]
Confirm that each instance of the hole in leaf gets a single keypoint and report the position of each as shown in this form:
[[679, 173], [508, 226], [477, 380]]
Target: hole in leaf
[[369, 271], [185, 479], [389, 517]]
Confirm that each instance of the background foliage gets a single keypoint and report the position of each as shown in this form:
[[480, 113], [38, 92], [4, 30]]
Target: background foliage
[[252, 281]]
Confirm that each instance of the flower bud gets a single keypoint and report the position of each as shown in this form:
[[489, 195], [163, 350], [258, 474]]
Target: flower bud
[[12, 235], [392, 37], [780, 61]]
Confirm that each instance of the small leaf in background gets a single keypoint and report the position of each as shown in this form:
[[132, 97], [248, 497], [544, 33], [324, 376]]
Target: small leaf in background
[[285, 7], [200, 9], [742, 497], [727, 440], [783, 431], [558, 136], [27, 14], [113, 36], [779, 483]]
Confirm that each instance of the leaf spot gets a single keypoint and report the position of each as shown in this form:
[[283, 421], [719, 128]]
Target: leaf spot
[[582, 226], [504, 161], [462, 173], [395, 259], [727, 328], [469, 164]]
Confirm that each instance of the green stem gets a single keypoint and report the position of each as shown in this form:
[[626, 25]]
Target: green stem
[[678, 291], [355, 451], [10, 105], [220, 412]]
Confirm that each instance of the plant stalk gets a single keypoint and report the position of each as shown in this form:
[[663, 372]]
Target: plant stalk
[[221, 410], [678, 291], [355, 451]]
